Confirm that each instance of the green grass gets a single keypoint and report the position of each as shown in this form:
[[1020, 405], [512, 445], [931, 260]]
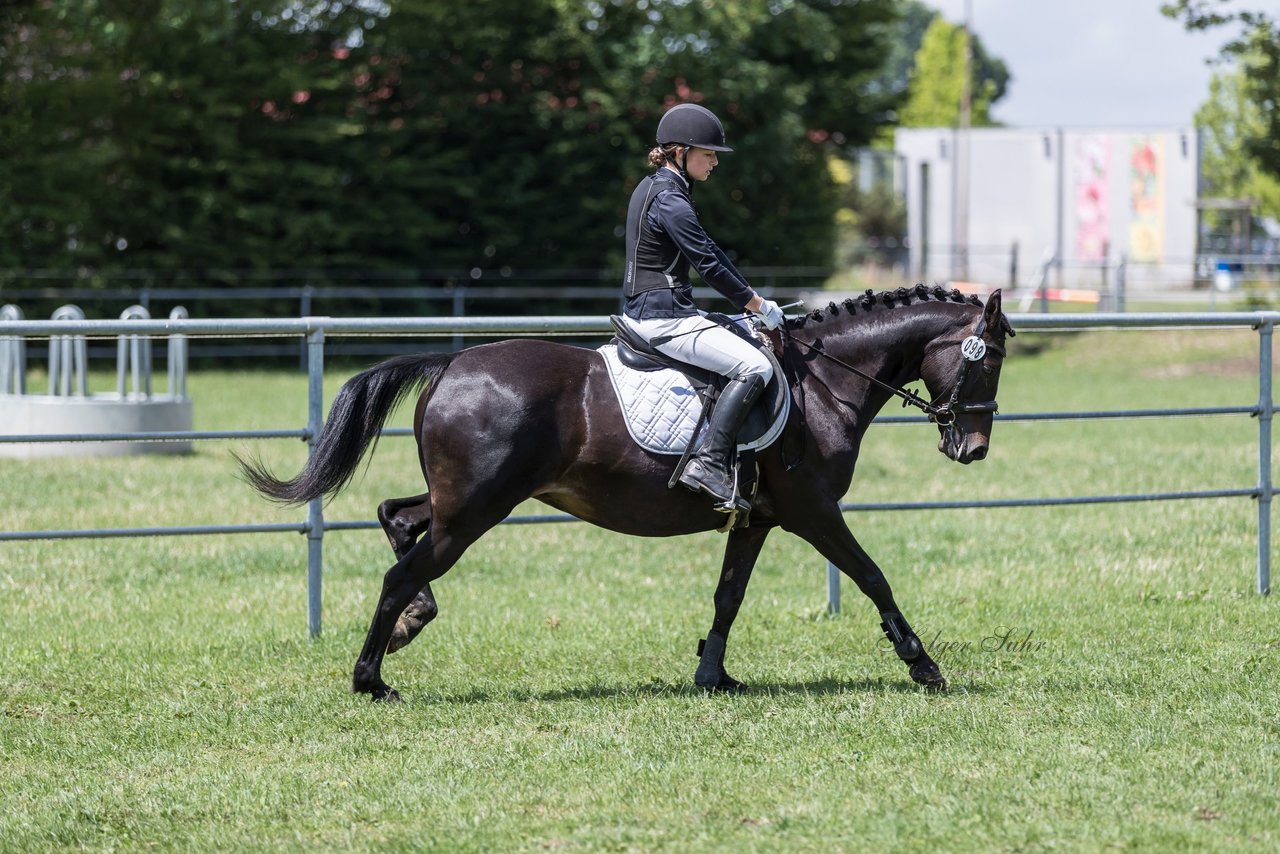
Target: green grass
[[162, 693]]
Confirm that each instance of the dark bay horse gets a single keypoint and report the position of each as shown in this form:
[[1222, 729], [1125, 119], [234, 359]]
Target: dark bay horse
[[499, 423]]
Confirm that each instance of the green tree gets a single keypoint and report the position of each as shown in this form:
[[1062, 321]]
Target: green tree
[[1227, 122], [1257, 49], [990, 72], [167, 134], [171, 135], [937, 81]]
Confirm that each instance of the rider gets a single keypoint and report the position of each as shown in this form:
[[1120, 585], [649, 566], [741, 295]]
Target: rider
[[664, 238]]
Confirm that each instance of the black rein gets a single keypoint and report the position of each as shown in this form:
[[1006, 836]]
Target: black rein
[[944, 415]]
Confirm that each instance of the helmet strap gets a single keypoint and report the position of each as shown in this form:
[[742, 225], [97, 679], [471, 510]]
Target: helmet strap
[[682, 164]]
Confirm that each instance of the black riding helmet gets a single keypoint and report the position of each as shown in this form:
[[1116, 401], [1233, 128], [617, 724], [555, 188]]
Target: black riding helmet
[[693, 127], [690, 124]]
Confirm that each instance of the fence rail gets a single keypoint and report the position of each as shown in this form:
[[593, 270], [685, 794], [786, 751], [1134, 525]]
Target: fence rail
[[314, 330]]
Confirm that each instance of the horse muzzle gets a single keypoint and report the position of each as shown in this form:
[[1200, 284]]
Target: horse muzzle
[[963, 446]]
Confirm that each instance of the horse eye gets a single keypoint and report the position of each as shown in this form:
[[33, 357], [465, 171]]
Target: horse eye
[[987, 370]]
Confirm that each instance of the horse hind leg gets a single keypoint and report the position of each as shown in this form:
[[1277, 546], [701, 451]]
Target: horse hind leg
[[403, 520], [428, 559]]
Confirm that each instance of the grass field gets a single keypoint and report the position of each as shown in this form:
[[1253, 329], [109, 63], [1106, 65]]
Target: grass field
[[1112, 669]]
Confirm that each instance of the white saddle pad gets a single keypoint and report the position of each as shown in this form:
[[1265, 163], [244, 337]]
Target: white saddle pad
[[661, 408]]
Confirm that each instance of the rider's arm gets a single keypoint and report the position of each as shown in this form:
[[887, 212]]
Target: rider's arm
[[677, 218]]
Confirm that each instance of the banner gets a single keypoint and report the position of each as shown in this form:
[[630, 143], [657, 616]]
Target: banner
[[1146, 194], [1093, 172]]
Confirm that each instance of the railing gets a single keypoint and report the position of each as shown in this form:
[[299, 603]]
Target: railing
[[315, 329]]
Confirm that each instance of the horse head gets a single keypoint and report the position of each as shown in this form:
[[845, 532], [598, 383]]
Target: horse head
[[961, 369]]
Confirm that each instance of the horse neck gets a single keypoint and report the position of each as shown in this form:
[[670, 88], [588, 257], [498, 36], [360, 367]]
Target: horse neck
[[888, 344]]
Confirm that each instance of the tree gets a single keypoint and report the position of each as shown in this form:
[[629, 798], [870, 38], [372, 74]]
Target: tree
[[937, 80], [1227, 122], [418, 135], [1257, 50], [989, 72]]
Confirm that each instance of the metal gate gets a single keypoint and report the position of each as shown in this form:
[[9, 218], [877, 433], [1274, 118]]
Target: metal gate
[[314, 330]]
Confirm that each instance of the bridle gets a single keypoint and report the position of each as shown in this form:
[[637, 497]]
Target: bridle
[[973, 350]]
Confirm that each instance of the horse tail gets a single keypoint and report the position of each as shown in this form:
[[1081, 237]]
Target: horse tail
[[353, 426]]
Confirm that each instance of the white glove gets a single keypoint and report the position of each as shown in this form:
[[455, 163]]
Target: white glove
[[770, 314]]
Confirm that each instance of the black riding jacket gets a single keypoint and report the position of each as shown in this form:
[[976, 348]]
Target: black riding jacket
[[664, 238]]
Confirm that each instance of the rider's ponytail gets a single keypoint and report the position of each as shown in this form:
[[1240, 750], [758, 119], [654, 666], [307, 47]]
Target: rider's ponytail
[[663, 154]]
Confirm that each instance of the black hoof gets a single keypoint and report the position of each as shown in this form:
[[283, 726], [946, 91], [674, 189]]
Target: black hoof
[[385, 694], [726, 684], [929, 677]]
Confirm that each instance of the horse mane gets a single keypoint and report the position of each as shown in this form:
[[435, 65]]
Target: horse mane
[[872, 301]]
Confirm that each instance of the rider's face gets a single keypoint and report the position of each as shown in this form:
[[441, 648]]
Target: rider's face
[[701, 162]]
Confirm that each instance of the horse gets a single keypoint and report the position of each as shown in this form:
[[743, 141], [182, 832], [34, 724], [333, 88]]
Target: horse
[[503, 422]]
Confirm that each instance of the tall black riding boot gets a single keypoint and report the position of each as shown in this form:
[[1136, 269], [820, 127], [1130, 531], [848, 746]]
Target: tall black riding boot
[[710, 470]]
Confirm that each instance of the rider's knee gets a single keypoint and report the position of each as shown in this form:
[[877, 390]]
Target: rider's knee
[[762, 369]]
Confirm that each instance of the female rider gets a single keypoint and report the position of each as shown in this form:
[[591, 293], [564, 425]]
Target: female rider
[[665, 238]]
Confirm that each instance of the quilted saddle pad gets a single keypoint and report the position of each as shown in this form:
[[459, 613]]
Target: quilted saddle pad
[[661, 408]]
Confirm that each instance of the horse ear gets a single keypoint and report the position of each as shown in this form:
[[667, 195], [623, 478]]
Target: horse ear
[[991, 314]]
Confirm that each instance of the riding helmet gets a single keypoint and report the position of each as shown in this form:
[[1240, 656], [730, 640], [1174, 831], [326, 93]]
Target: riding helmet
[[694, 125]]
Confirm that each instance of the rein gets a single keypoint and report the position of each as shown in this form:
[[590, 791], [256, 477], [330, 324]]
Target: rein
[[973, 350]]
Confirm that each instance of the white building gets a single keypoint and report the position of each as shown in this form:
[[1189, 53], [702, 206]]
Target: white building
[[1080, 200]]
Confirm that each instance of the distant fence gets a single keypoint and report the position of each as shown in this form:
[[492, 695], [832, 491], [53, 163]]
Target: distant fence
[[445, 294], [315, 331]]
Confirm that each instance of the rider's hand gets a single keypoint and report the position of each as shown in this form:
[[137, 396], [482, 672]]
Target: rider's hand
[[770, 314]]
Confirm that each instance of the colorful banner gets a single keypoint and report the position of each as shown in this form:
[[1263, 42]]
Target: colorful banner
[[1093, 171], [1146, 194]]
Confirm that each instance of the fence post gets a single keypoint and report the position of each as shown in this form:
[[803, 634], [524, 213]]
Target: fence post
[[833, 589], [1121, 272], [1013, 267], [315, 508], [1266, 409], [305, 300], [459, 310], [1105, 303]]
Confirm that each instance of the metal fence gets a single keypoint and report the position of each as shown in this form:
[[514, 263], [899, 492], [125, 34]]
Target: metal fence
[[314, 330]]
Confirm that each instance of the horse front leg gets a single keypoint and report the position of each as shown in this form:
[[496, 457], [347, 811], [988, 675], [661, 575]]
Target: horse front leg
[[832, 538], [740, 553]]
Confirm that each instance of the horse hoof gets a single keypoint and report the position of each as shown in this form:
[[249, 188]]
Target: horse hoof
[[400, 638], [930, 678], [726, 684], [387, 695]]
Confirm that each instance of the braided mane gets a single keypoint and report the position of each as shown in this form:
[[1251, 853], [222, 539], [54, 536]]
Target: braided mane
[[871, 301]]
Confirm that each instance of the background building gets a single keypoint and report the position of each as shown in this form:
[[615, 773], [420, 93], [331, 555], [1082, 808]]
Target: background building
[[997, 208]]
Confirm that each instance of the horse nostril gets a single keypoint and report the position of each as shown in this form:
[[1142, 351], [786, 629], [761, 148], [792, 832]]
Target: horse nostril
[[979, 453]]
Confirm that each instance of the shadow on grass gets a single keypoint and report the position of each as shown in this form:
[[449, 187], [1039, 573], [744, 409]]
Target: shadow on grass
[[811, 688]]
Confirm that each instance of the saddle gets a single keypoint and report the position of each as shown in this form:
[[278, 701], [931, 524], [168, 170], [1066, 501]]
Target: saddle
[[666, 403]]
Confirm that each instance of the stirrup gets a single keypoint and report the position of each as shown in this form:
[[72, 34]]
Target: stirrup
[[737, 504]]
